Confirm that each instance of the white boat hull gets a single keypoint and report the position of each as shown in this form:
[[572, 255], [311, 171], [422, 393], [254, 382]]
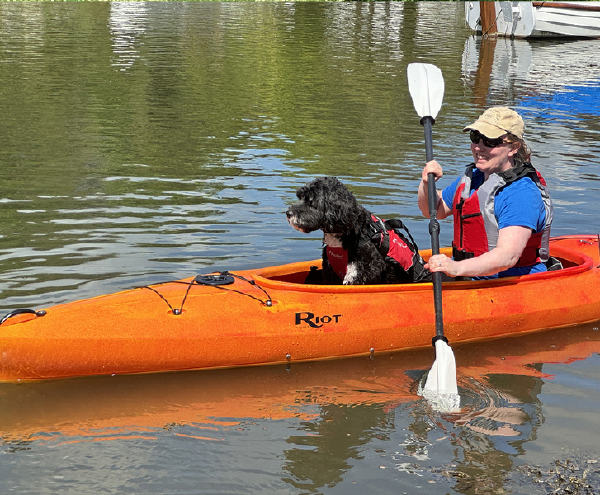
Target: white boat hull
[[538, 19]]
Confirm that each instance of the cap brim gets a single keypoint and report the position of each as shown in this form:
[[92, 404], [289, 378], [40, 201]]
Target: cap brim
[[488, 130]]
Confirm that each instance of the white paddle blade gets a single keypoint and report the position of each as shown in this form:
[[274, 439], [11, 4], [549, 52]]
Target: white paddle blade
[[442, 376], [440, 389], [426, 87]]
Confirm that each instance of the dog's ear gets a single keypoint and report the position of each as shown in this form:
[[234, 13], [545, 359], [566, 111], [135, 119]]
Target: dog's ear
[[316, 197], [346, 216], [312, 194], [336, 203], [301, 192]]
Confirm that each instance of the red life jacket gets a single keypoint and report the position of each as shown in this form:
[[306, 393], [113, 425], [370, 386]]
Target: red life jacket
[[391, 243], [475, 225]]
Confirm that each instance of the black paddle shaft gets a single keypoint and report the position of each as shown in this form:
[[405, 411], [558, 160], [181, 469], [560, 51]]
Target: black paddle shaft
[[434, 226]]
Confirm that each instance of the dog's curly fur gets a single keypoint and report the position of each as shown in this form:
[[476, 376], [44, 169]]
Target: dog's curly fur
[[326, 204]]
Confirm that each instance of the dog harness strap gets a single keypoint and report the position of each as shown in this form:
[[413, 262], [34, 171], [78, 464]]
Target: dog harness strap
[[379, 235]]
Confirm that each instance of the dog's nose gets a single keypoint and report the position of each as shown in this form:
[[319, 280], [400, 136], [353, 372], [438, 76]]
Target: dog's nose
[[288, 213]]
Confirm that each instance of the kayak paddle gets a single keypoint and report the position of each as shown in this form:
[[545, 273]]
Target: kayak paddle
[[426, 87]]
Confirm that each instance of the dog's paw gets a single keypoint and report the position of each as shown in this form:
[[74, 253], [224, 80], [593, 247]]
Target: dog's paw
[[351, 274]]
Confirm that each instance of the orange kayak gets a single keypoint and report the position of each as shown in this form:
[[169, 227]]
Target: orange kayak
[[269, 316]]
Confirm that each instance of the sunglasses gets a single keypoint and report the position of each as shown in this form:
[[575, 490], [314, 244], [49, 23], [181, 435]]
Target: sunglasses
[[476, 136]]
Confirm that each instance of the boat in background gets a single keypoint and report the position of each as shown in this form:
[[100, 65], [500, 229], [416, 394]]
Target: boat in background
[[270, 316], [534, 19]]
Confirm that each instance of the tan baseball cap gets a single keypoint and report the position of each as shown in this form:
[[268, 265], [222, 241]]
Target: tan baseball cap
[[497, 121]]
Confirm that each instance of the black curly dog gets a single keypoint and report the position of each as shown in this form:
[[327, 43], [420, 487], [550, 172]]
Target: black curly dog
[[359, 248]]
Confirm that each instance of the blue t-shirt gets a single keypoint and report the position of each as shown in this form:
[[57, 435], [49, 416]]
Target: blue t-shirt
[[518, 204]]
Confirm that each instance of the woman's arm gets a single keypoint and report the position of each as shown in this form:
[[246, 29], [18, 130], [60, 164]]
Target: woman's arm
[[508, 250]]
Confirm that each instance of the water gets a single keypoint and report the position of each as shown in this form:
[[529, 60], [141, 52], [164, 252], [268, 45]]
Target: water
[[143, 142]]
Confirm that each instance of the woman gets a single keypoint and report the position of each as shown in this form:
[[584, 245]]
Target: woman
[[501, 206]]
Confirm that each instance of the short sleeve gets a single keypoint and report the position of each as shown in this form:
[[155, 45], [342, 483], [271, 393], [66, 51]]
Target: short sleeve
[[449, 192], [520, 204]]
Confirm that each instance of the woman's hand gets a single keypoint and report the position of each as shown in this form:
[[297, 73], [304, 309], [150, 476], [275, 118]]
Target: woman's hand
[[434, 168], [441, 263], [443, 211]]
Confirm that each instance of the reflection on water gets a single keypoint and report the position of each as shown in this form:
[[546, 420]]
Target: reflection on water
[[316, 422], [151, 141]]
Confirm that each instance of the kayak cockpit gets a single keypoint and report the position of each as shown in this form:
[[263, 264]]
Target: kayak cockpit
[[293, 276]]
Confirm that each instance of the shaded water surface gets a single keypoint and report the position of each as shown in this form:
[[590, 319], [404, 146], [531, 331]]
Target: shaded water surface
[[144, 142]]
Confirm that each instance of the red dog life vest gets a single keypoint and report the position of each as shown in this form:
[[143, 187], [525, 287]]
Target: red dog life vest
[[388, 241], [399, 250], [338, 259]]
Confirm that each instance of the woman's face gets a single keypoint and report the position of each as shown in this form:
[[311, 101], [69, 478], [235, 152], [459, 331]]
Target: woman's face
[[496, 159]]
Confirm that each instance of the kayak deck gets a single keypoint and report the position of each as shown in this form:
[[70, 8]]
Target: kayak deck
[[269, 316]]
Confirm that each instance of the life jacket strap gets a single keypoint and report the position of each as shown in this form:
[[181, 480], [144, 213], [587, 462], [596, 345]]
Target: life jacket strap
[[461, 254]]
